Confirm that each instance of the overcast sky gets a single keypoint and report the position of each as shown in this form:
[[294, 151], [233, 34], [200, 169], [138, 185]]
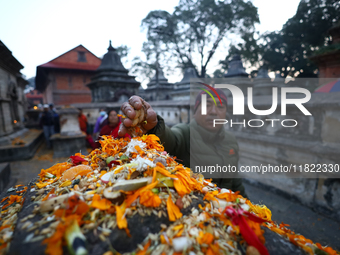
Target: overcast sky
[[36, 31]]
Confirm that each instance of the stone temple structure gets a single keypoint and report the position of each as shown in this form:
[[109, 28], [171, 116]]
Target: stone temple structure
[[237, 75], [16, 141], [262, 83], [236, 68], [182, 89], [112, 83], [12, 98], [158, 89]]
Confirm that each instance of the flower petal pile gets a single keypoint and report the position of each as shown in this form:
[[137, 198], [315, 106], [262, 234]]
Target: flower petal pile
[[127, 177]]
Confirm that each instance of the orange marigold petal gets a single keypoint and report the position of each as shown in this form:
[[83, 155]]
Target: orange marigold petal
[[173, 211], [100, 203], [149, 199], [121, 220]]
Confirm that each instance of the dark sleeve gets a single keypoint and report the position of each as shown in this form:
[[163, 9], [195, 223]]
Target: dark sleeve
[[238, 186], [237, 151], [105, 130], [41, 120], [173, 139]]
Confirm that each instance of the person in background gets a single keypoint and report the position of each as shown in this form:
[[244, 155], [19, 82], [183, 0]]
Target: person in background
[[47, 123], [55, 119], [112, 127], [90, 126], [100, 119], [83, 124], [82, 121]]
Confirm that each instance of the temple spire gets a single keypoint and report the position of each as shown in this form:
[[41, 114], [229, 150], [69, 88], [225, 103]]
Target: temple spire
[[110, 47]]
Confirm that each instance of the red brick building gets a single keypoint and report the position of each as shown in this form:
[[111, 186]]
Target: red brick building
[[329, 60], [34, 97], [62, 80]]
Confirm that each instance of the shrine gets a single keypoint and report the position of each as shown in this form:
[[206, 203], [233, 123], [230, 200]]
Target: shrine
[[112, 83]]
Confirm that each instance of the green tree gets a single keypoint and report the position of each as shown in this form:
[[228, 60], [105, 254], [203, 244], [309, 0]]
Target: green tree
[[193, 33], [158, 26], [142, 69], [248, 49], [305, 33], [123, 51], [302, 36]]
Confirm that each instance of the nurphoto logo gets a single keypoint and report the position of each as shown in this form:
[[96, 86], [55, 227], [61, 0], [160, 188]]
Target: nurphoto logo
[[239, 102]]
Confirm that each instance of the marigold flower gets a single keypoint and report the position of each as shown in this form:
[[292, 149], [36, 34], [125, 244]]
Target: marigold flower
[[100, 203], [149, 199], [173, 211], [121, 220]]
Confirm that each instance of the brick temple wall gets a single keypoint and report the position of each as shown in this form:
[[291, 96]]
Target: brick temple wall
[[68, 87]]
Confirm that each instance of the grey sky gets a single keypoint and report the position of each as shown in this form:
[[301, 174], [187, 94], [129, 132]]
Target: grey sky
[[36, 31]]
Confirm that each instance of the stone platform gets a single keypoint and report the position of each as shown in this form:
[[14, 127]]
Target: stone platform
[[28, 143]]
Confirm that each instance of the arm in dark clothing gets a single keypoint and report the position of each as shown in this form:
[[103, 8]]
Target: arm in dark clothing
[[176, 140]]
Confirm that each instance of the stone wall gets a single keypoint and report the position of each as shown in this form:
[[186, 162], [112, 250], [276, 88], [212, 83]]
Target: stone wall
[[12, 102]]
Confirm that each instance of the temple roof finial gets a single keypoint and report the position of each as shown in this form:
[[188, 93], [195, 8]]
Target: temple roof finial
[[110, 47]]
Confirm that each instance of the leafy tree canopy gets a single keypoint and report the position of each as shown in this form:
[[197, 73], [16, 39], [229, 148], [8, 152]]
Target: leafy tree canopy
[[193, 32], [287, 51]]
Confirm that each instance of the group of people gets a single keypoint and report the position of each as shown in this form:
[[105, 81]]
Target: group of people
[[107, 124], [49, 122]]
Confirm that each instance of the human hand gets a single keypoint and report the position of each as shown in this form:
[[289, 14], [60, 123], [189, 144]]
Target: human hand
[[137, 112]]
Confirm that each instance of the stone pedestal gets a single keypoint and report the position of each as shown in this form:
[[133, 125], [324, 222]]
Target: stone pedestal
[[69, 124], [71, 139], [65, 146]]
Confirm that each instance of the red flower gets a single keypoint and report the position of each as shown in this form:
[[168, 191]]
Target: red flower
[[76, 160], [114, 163], [238, 218]]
